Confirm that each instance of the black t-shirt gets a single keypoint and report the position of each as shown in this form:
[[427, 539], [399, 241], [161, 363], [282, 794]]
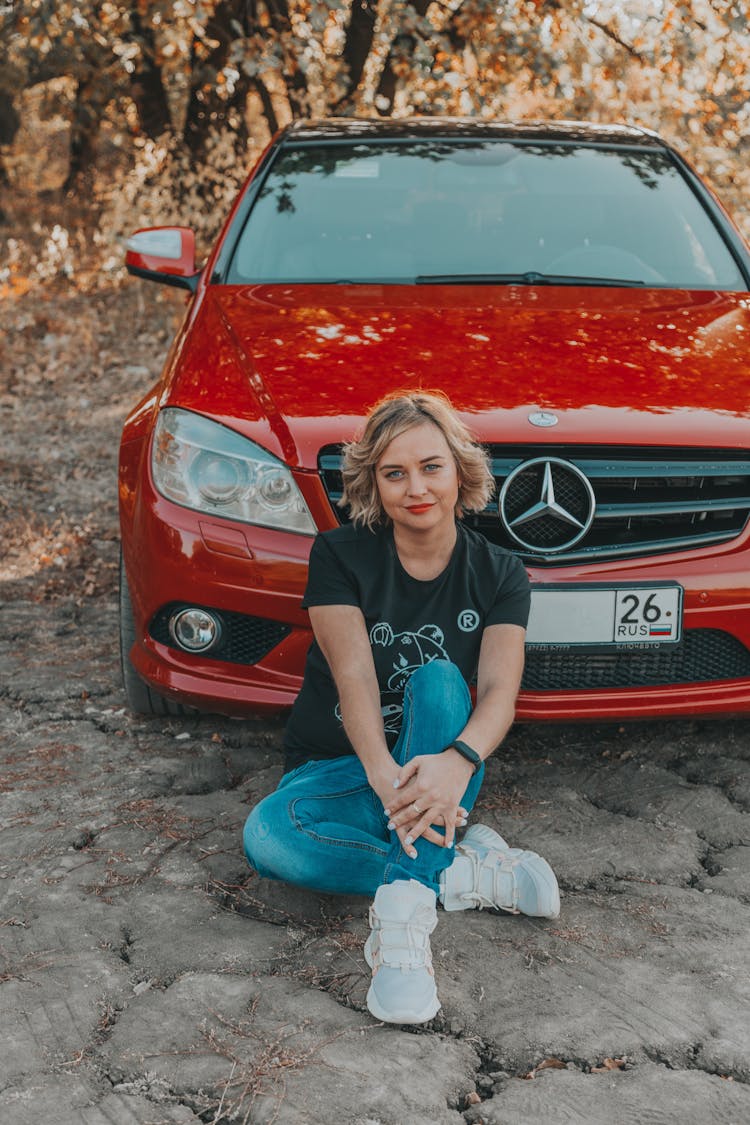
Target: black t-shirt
[[409, 623]]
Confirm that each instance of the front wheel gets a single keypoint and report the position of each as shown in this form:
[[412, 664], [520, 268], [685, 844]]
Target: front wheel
[[139, 696]]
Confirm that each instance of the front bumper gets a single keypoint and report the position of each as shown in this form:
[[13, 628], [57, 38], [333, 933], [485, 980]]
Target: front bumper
[[173, 554]]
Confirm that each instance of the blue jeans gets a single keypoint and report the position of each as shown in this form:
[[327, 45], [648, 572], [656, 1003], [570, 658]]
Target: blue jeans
[[324, 827]]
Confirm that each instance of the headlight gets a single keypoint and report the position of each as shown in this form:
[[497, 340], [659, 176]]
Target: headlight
[[203, 465]]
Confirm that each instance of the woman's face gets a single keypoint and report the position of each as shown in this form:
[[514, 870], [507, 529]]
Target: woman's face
[[417, 479]]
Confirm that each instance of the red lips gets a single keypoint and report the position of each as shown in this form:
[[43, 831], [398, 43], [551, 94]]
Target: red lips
[[417, 508]]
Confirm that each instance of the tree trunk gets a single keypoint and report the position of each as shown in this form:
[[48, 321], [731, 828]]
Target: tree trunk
[[406, 43], [87, 114], [147, 88], [207, 109], [267, 102], [9, 125], [296, 84], [358, 44], [9, 120]]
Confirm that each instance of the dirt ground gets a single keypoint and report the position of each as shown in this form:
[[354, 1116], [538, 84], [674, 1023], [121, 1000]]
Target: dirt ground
[[148, 977]]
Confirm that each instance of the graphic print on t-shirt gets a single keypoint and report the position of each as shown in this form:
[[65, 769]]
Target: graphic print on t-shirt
[[409, 651], [468, 620], [391, 713], [403, 654], [398, 655]]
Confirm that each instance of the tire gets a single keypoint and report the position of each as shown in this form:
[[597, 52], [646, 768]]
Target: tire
[[139, 696]]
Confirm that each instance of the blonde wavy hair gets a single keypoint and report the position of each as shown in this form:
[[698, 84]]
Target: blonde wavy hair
[[389, 418]]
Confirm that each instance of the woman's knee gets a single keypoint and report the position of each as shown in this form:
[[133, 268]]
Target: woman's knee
[[437, 705], [439, 684], [264, 828]]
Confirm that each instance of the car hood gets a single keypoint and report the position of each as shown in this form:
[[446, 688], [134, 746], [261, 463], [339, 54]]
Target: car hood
[[297, 367]]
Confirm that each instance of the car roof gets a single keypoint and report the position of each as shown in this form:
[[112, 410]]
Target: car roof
[[389, 128]]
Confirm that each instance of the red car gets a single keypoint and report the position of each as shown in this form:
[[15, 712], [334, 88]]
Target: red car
[[581, 296]]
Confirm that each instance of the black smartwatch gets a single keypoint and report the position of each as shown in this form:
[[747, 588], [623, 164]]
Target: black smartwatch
[[466, 752]]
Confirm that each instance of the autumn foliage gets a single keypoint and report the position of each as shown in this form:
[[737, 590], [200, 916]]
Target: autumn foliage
[[151, 111]]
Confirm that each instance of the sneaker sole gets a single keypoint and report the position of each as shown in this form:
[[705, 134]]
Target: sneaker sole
[[379, 1013]]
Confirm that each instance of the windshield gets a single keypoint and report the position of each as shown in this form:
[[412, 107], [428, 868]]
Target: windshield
[[478, 212]]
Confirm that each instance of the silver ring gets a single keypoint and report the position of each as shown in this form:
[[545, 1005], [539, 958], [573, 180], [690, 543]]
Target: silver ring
[[416, 807]]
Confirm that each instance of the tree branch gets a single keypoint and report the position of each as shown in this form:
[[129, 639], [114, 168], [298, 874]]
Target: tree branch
[[612, 34], [268, 111]]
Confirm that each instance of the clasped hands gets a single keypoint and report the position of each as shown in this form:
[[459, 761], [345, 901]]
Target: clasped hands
[[424, 793]]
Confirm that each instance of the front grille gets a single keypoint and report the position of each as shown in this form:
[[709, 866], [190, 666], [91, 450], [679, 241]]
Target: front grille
[[244, 640], [703, 655], [646, 501]]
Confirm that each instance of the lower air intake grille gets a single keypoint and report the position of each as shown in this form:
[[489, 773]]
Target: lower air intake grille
[[245, 640], [703, 655]]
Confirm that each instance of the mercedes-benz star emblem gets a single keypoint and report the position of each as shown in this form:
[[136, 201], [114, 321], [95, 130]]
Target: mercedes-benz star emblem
[[547, 505], [543, 418]]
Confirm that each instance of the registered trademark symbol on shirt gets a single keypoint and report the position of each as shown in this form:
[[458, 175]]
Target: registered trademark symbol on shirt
[[468, 620]]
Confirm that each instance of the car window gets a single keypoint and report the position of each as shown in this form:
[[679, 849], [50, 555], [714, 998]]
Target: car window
[[485, 210]]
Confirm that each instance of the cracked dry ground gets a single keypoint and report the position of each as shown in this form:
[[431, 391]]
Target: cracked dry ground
[[147, 976]]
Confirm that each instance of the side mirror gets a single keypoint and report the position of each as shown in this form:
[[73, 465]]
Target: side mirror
[[165, 254]]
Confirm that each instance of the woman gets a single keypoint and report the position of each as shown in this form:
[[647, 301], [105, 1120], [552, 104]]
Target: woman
[[384, 755]]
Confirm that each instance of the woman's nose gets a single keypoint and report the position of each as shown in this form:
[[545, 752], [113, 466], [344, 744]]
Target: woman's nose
[[417, 486]]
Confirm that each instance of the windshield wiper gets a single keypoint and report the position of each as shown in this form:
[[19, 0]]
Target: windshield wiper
[[531, 277]]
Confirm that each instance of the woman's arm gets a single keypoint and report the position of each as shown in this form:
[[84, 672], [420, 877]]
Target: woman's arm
[[437, 782], [501, 658], [341, 632]]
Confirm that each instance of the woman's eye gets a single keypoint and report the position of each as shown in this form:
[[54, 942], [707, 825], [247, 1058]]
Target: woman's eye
[[432, 468], [394, 474]]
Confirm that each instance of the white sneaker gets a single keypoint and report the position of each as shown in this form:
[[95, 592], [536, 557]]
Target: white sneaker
[[398, 951], [486, 872]]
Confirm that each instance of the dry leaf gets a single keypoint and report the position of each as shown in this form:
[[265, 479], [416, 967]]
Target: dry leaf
[[608, 1064], [546, 1064]]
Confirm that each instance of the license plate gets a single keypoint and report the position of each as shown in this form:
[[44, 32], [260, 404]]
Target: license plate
[[628, 616]]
